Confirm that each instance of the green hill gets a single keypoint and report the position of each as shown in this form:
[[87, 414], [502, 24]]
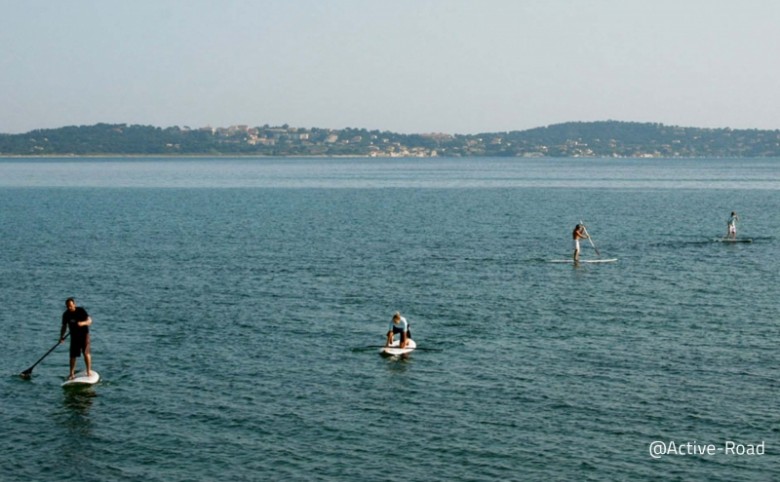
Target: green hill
[[573, 139]]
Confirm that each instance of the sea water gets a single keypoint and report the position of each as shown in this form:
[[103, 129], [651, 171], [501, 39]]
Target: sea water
[[238, 304]]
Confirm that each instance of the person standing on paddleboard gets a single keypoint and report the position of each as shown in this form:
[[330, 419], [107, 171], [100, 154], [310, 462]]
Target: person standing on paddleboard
[[578, 233], [732, 225], [77, 321], [398, 325]]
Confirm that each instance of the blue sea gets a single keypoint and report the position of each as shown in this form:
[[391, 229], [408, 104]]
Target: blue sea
[[238, 305]]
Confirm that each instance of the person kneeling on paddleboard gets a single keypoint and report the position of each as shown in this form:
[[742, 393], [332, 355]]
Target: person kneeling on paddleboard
[[398, 325]]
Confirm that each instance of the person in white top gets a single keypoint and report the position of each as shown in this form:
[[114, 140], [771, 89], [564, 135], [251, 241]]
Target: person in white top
[[398, 325]]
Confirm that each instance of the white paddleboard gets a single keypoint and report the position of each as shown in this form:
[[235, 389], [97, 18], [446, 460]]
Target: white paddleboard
[[394, 350], [82, 379], [570, 261]]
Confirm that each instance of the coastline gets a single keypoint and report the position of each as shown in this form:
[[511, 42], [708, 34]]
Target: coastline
[[599, 139]]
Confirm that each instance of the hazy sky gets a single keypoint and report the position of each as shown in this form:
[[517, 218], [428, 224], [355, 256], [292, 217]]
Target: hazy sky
[[452, 66]]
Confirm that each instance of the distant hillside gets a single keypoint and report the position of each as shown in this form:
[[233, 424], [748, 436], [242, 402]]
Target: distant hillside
[[573, 139]]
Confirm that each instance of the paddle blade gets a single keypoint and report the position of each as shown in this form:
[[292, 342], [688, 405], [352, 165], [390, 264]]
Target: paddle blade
[[27, 373]]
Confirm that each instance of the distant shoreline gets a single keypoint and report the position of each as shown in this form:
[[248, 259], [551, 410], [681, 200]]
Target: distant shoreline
[[602, 139], [346, 156]]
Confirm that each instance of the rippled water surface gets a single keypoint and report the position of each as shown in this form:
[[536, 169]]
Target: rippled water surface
[[238, 305]]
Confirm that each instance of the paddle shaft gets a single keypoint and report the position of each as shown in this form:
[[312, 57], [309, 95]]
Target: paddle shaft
[[589, 238], [28, 372]]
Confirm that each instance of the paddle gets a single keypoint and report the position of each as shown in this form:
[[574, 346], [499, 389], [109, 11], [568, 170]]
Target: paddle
[[589, 238], [27, 373]]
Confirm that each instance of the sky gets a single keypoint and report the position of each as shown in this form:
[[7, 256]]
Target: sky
[[406, 66]]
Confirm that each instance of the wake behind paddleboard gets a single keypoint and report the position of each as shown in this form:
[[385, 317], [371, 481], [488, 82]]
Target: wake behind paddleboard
[[570, 261], [394, 350], [82, 380]]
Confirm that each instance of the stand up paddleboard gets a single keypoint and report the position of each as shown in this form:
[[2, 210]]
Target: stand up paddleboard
[[735, 240], [82, 380], [570, 261], [394, 350]]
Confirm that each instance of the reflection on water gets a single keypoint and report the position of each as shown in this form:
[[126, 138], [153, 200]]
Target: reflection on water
[[398, 363], [79, 399], [77, 403]]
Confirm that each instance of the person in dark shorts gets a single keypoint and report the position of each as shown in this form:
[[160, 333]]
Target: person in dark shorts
[[398, 326], [76, 320]]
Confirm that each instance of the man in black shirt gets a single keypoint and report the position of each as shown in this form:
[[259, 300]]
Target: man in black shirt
[[77, 320]]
